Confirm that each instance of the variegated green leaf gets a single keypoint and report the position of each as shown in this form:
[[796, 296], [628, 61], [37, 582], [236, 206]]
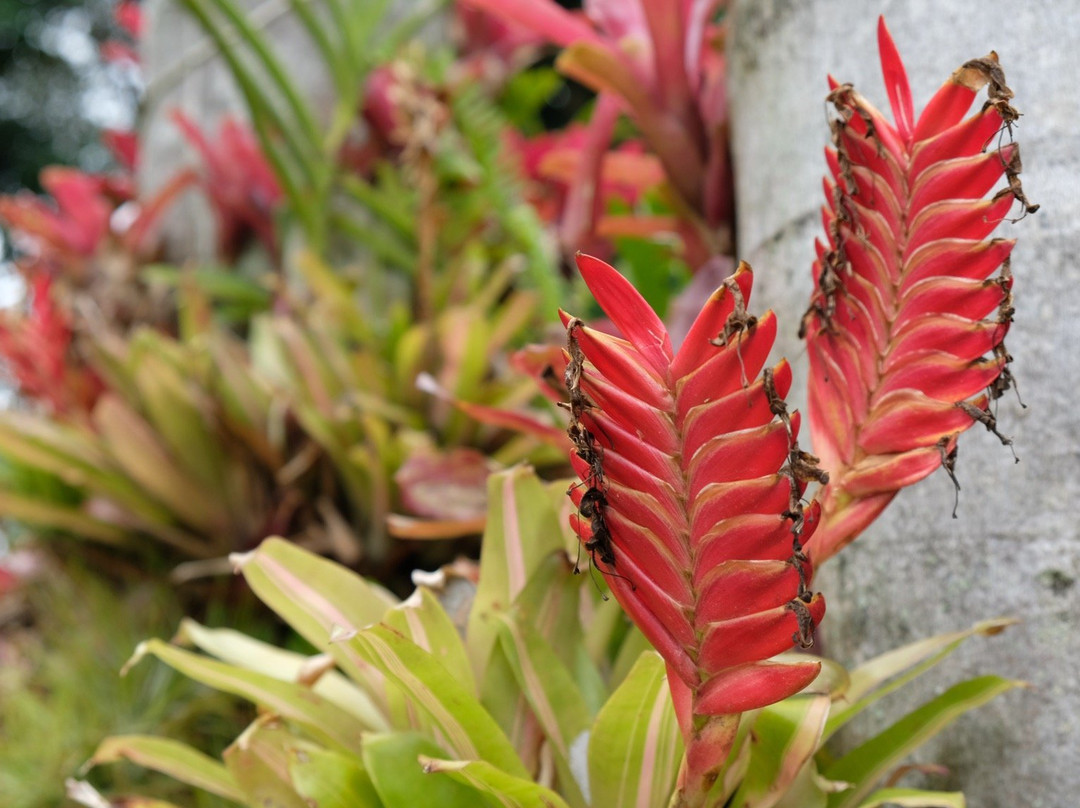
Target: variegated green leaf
[[170, 757], [423, 620], [522, 529], [501, 788], [635, 745], [783, 738], [551, 605], [465, 726], [246, 652], [553, 697], [865, 765], [316, 597]]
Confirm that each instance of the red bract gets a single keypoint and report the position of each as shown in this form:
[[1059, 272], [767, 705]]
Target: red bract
[[690, 499], [36, 349], [906, 327], [239, 183], [491, 48], [69, 230], [64, 236], [573, 177], [663, 64]]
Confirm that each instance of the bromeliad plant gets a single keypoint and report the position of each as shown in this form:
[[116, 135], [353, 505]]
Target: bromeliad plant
[[689, 504], [512, 684], [907, 323]]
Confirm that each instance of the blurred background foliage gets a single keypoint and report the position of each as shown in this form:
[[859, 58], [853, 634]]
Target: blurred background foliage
[[57, 89], [375, 332]]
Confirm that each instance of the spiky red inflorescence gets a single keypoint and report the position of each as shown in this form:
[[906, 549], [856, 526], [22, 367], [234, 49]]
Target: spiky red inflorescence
[[690, 467], [906, 327]]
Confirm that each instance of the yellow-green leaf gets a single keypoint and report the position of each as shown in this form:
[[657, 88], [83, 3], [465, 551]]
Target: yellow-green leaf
[[170, 757]]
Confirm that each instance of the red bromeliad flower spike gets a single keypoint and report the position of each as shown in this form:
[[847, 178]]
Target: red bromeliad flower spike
[[690, 502], [905, 330]]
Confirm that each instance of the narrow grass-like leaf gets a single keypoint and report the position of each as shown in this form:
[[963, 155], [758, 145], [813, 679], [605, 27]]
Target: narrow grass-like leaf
[[54, 516], [892, 670], [868, 763]]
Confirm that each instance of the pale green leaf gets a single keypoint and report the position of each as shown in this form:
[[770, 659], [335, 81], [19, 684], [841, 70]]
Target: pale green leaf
[[259, 763], [915, 798], [330, 780], [170, 757], [245, 652], [321, 718]]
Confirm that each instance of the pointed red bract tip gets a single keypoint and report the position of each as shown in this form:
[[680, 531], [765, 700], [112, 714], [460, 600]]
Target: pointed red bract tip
[[628, 310], [896, 83]]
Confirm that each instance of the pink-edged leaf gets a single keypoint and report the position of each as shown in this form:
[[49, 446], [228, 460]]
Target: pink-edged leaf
[[635, 745], [444, 485]]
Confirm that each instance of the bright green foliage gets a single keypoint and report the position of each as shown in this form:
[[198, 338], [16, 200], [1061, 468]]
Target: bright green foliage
[[399, 708]]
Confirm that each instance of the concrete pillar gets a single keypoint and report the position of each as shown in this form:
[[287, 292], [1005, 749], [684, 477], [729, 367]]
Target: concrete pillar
[[1015, 549]]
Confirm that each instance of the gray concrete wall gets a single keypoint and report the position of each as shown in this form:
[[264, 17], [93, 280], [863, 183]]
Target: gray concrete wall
[[1015, 549], [183, 70]]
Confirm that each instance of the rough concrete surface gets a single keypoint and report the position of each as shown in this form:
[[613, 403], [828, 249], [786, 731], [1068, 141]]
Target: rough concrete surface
[[1015, 548]]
